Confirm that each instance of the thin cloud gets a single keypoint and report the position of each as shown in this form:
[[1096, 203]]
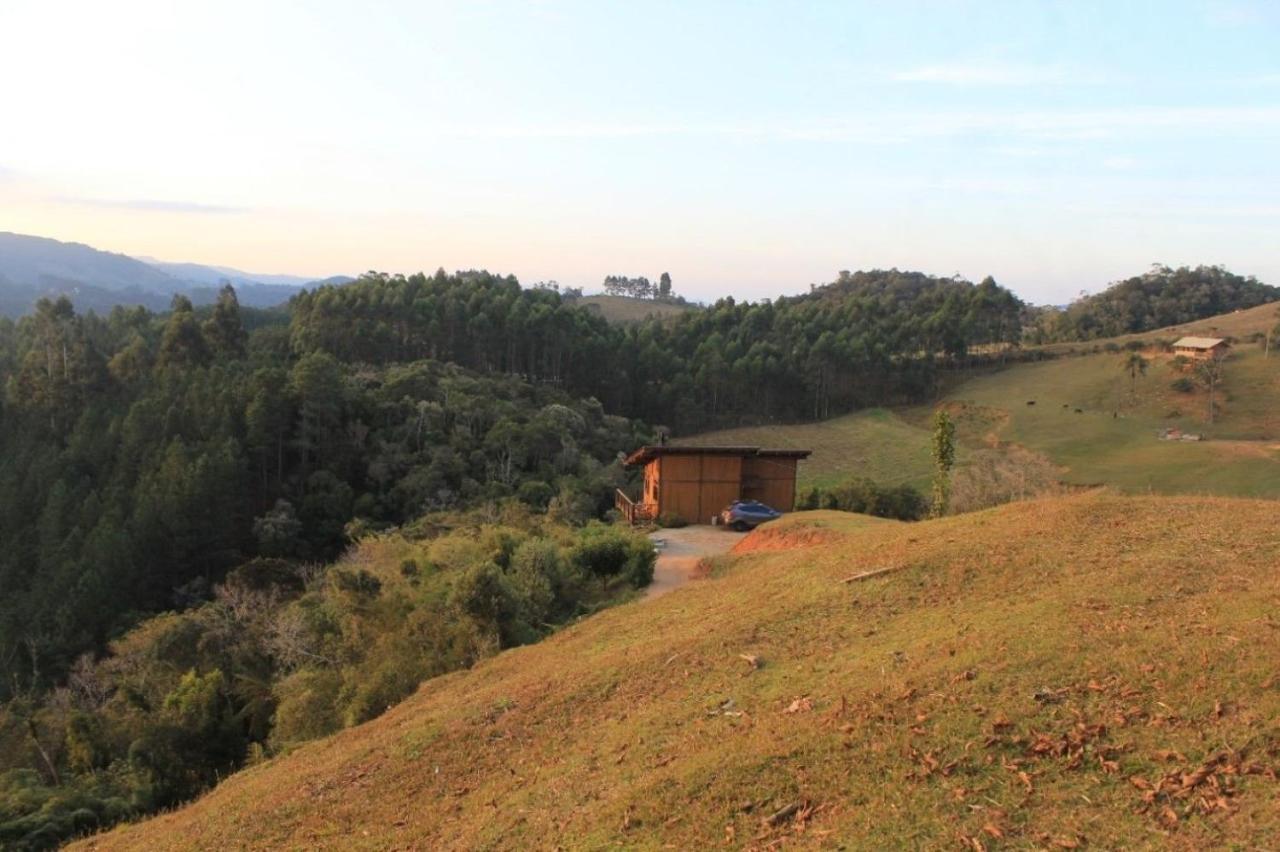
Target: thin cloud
[[988, 75], [152, 205], [1119, 163], [902, 126]]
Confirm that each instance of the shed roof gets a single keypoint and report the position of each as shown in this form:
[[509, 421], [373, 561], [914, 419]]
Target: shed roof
[[1198, 342], [650, 452]]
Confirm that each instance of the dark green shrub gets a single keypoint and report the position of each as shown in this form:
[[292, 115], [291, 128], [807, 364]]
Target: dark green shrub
[[866, 497], [535, 493], [606, 552]]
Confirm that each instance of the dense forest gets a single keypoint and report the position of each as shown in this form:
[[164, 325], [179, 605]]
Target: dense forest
[[867, 338], [145, 456], [1159, 298]]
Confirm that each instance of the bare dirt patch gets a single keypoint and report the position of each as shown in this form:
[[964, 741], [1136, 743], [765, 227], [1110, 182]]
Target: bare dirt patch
[[770, 538]]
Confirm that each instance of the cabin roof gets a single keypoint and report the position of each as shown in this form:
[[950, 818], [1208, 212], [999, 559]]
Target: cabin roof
[[648, 453], [1198, 342]]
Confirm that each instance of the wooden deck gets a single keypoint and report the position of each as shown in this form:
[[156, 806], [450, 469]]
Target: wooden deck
[[631, 510]]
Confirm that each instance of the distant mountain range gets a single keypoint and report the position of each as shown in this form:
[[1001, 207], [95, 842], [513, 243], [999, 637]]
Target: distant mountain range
[[31, 267]]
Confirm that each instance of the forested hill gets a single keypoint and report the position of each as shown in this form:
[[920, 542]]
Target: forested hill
[[1159, 298], [867, 338], [144, 455]]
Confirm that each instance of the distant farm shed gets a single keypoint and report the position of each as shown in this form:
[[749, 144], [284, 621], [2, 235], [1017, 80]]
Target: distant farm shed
[[695, 483], [1201, 347]]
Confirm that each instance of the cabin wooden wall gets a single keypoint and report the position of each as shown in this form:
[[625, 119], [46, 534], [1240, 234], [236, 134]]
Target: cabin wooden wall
[[694, 488], [651, 478], [772, 481]]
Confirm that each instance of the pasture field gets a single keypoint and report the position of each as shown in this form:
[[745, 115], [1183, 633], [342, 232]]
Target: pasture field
[[1101, 427]]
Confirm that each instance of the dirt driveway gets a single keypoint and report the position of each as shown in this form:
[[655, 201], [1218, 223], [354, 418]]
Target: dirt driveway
[[679, 551]]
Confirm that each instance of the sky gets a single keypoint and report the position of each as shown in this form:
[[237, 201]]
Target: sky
[[748, 148]]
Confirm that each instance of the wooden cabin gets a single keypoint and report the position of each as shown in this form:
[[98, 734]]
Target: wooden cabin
[[1201, 348], [696, 483]]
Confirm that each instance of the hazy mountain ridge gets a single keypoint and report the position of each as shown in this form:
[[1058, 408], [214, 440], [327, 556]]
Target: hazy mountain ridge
[[31, 267]]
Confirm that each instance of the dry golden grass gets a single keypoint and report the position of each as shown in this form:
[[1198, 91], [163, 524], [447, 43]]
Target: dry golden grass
[[1089, 670]]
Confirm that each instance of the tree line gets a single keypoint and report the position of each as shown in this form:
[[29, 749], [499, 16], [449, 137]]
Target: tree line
[[868, 338]]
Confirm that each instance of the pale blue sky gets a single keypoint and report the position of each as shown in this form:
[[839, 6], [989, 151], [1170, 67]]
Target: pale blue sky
[[747, 148]]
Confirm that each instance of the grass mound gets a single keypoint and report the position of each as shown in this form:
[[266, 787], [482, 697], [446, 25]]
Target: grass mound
[[1088, 670]]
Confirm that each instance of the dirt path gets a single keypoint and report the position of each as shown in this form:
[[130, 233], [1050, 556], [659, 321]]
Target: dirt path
[[679, 551]]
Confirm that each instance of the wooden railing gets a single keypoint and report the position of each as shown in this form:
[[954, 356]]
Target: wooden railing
[[631, 510]]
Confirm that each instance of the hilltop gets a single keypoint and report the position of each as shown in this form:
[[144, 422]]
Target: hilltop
[[1116, 689], [627, 309]]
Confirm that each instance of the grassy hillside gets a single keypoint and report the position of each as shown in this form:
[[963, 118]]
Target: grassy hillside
[[1113, 438], [1111, 441], [1114, 690], [624, 309], [875, 443]]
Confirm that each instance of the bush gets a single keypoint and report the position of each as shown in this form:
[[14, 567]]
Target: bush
[[606, 552], [538, 562], [671, 521], [535, 493], [866, 497], [307, 706], [1183, 385]]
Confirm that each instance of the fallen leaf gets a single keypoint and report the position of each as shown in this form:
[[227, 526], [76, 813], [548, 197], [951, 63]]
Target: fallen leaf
[[800, 705]]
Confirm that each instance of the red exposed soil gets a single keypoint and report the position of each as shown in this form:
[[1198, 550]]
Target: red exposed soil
[[769, 538]]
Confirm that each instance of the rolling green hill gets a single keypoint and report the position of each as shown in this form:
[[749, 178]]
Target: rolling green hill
[[1086, 420], [1112, 439], [1081, 672], [876, 443]]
